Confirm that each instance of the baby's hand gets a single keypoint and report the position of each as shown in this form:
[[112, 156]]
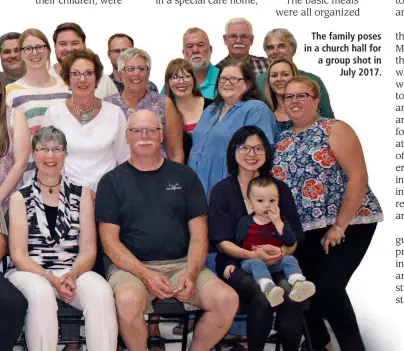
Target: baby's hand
[[229, 270]]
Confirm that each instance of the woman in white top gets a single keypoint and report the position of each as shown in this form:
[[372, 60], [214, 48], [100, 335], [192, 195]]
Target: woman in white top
[[95, 129], [37, 90]]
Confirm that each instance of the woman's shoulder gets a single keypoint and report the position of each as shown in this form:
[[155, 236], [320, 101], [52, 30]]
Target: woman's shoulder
[[255, 104], [114, 99], [225, 185]]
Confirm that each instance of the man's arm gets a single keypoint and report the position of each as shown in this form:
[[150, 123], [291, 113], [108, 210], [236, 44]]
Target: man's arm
[[198, 246]]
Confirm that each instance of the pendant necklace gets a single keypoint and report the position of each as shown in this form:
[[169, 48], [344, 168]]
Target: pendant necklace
[[131, 109], [50, 186], [84, 116]]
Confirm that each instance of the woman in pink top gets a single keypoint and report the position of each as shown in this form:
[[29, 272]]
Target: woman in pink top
[[180, 86]]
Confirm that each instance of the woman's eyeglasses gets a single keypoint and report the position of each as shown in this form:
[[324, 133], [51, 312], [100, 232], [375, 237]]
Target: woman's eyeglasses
[[185, 78], [30, 49], [45, 150], [77, 75], [132, 69], [232, 80], [246, 149], [299, 97]]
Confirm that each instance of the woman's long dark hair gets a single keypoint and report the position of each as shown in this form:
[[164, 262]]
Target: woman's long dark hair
[[238, 138], [252, 92], [4, 139]]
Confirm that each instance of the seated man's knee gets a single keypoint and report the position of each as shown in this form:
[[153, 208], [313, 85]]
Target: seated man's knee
[[226, 301], [130, 301]]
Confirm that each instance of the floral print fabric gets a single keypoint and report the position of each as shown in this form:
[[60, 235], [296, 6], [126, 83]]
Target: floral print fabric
[[307, 165]]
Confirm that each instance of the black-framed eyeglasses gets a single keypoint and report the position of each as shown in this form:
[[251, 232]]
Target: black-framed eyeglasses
[[117, 51], [246, 149], [299, 97], [232, 80], [55, 150], [185, 78], [30, 49], [242, 37], [149, 131], [132, 69], [77, 75]]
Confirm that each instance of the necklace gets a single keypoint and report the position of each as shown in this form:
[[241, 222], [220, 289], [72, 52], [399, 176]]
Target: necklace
[[131, 109], [84, 116], [50, 186]]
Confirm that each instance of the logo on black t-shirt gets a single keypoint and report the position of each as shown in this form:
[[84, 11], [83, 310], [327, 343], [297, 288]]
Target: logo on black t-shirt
[[175, 186]]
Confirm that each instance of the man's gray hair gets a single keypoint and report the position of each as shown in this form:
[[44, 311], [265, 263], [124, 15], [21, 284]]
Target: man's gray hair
[[9, 36], [195, 30], [131, 53], [47, 134], [238, 20], [281, 34]]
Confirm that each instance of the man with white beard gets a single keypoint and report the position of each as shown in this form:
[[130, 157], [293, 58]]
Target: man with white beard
[[238, 39], [197, 51]]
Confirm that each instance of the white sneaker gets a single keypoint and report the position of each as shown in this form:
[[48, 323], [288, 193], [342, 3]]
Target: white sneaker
[[274, 294], [302, 291]]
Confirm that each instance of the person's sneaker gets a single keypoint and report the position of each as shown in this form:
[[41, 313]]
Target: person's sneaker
[[274, 294], [302, 291]]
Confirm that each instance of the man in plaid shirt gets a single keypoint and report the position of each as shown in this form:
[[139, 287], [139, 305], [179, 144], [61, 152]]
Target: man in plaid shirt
[[238, 39]]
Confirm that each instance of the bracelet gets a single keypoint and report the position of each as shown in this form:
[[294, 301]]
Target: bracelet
[[341, 232], [75, 271], [281, 250], [48, 272]]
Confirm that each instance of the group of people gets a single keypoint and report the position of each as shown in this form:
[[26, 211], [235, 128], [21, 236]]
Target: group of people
[[273, 208]]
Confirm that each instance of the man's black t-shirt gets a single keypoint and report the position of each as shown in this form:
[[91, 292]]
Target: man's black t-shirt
[[152, 208]]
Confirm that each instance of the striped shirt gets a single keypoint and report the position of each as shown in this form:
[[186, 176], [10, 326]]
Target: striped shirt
[[34, 102]]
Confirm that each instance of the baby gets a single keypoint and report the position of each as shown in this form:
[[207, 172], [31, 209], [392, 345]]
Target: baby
[[266, 227]]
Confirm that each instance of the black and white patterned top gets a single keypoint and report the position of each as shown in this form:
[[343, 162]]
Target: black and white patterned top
[[56, 249]]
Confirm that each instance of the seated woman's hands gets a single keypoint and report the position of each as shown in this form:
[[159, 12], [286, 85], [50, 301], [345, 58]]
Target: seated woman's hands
[[63, 289], [268, 253]]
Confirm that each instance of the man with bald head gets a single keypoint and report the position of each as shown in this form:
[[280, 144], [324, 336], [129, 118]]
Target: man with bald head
[[152, 221]]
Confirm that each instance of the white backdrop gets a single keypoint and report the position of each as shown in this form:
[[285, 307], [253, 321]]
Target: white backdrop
[[366, 103]]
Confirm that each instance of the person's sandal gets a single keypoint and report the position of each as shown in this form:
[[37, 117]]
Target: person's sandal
[[179, 328], [156, 343]]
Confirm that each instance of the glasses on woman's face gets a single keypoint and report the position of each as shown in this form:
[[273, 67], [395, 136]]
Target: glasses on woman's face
[[77, 75], [246, 149], [299, 97], [232, 80], [55, 150], [177, 78], [30, 49], [132, 69]]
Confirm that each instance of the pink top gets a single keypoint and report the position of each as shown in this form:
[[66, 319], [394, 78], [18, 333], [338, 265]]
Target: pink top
[[7, 162], [190, 127]]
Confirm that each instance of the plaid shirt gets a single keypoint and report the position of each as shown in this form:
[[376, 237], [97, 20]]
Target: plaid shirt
[[258, 64]]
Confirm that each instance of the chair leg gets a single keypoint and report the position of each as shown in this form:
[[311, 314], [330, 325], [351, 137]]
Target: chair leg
[[185, 333], [278, 346]]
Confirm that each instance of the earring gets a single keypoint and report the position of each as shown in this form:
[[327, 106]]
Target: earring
[[69, 88]]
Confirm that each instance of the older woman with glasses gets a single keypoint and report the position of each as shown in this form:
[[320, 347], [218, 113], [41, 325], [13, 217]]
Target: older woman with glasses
[[37, 90], [238, 104], [134, 66], [322, 162], [95, 129], [53, 249]]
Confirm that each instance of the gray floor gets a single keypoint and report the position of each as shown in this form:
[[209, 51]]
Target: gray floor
[[166, 330]]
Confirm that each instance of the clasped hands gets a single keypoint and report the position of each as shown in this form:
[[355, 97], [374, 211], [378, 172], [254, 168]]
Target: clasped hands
[[65, 285], [159, 286]]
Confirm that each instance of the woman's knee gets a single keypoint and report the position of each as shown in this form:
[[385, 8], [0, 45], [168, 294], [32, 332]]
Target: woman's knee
[[100, 291]]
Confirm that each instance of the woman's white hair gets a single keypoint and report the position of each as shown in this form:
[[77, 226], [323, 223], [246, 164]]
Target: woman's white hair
[[131, 53]]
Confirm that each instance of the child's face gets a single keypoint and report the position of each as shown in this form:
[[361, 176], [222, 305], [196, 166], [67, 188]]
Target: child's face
[[263, 198]]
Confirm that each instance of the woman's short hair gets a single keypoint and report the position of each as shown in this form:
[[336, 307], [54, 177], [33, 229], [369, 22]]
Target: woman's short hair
[[239, 138], [270, 94], [313, 86], [47, 134], [175, 66], [75, 55], [33, 32], [247, 72], [131, 53]]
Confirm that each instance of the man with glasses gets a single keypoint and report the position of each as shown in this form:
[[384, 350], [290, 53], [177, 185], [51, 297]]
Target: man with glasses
[[238, 39], [280, 43], [117, 43], [13, 66], [68, 37], [152, 221]]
